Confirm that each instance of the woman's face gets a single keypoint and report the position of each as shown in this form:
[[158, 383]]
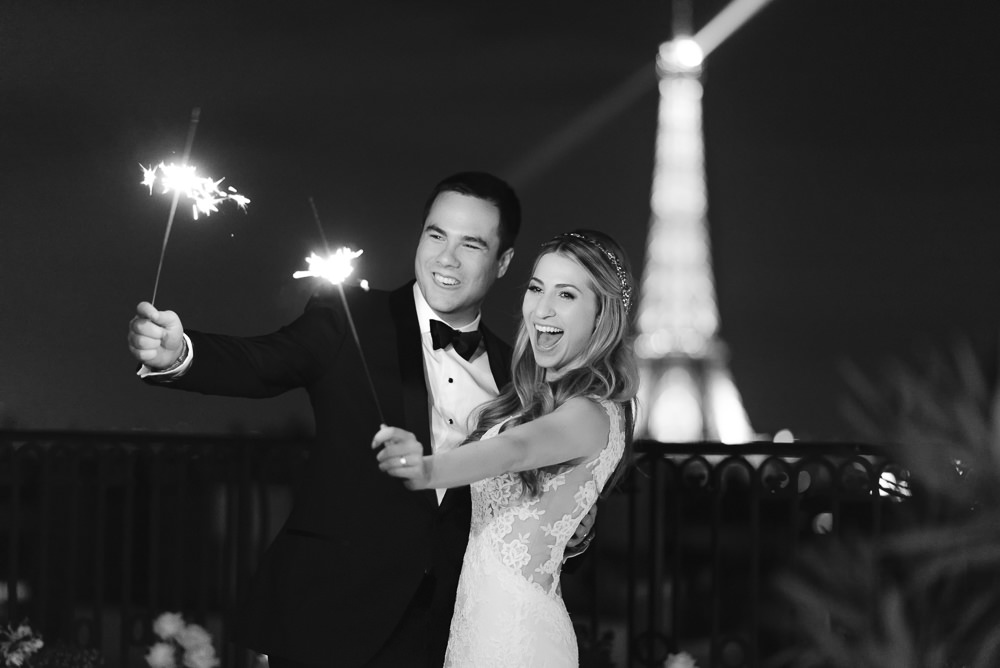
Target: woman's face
[[560, 313]]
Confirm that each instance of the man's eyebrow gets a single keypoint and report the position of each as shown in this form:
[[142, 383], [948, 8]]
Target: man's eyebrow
[[475, 239], [431, 227]]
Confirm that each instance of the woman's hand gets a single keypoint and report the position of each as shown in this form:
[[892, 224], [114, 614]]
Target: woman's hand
[[401, 456]]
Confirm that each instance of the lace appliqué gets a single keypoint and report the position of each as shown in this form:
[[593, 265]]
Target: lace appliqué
[[509, 611]]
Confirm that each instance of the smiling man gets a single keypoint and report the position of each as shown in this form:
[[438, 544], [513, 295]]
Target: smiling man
[[363, 573]]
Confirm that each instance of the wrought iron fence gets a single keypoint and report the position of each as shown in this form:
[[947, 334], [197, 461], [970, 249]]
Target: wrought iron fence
[[99, 533]]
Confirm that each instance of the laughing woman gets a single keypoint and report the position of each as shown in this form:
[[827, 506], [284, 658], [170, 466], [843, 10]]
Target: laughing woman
[[539, 457]]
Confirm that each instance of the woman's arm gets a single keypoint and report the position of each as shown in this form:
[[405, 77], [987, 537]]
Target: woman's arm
[[577, 430]]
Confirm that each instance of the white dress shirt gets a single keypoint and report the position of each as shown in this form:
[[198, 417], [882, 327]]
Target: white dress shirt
[[455, 387]]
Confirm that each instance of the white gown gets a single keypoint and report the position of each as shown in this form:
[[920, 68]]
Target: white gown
[[509, 610]]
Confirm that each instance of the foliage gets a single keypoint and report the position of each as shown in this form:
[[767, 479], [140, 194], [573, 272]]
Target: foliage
[[21, 646], [61, 655], [925, 594]]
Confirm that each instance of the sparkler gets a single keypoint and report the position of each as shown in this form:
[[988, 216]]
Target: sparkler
[[203, 191], [181, 180], [335, 268]]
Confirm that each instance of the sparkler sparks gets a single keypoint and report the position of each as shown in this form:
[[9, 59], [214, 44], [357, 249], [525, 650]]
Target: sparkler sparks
[[182, 180], [335, 267]]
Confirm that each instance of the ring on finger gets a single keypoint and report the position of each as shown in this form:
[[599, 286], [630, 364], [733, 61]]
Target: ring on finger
[[402, 461]]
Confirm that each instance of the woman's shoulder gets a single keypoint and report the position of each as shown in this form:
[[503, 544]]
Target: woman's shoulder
[[594, 405], [586, 404], [587, 415]]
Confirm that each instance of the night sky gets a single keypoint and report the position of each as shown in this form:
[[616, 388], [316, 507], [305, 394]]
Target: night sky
[[851, 156]]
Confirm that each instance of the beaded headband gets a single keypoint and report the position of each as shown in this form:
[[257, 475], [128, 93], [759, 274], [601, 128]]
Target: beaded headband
[[622, 276]]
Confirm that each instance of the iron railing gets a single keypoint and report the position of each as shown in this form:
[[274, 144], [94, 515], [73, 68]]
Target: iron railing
[[100, 533]]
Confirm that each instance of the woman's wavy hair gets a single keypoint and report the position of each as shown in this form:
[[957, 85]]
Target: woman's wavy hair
[[607, 369]]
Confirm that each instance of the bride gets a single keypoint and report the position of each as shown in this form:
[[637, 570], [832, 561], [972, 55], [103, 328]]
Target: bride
[[540, 455]]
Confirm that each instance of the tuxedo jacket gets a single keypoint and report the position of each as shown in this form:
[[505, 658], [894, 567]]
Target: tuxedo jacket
[[357, 544]]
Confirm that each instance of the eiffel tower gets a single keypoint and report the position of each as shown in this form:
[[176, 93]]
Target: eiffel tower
[[687, 393]]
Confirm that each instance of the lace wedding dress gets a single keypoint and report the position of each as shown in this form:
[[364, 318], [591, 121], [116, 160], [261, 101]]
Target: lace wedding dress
[[509, 610]]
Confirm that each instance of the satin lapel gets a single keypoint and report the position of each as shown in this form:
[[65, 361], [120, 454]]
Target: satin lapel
[[416, 411], [499, 355]]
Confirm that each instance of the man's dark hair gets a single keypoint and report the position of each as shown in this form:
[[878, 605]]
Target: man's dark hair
[[490, 188]]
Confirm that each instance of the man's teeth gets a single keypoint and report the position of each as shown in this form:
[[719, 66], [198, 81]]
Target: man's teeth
[[446, 280]]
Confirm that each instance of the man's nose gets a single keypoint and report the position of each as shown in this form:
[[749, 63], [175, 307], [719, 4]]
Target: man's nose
[[447, 257]]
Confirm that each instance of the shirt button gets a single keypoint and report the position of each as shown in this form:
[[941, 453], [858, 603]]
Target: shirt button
[[450, 421], [451, 380]]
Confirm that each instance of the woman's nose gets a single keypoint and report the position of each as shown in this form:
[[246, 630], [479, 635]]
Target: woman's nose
[[543, 308]]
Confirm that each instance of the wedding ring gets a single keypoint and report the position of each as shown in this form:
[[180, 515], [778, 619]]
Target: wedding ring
[[402, 461]]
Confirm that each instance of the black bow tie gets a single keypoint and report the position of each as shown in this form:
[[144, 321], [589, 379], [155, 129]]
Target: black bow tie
[[465, 343]]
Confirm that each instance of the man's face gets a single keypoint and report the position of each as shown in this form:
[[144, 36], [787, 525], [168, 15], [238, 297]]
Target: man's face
[[457, 261]]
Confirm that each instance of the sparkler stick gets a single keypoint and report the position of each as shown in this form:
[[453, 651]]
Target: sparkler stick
[[335, 268], [192, 128]]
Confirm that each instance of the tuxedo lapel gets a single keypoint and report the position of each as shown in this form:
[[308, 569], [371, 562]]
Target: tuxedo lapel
[[416, 409], [499, 356], [411, 365]]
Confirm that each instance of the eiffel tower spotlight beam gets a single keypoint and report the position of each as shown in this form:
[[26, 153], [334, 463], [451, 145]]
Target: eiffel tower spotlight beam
[[726, 22]]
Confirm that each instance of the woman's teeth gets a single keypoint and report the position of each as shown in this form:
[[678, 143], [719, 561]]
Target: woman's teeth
[[547, 336]]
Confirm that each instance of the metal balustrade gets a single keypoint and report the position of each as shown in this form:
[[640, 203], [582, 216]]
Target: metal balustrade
[[100, 533]]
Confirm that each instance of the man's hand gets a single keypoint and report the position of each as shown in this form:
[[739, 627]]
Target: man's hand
[[584, 533], [155, 338]]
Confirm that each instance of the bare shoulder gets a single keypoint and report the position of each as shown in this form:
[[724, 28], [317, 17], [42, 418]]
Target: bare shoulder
[[586, 421]]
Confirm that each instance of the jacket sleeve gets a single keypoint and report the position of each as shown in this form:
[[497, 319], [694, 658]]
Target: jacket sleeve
[[267, 365]]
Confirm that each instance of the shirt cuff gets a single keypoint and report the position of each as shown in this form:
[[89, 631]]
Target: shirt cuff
[[176, 370]]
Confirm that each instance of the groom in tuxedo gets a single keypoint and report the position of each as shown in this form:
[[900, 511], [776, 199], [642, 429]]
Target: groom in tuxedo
[[364, 572]]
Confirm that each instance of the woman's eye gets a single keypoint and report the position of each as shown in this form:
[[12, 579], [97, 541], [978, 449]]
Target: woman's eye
[[567, 295], [534, 288]]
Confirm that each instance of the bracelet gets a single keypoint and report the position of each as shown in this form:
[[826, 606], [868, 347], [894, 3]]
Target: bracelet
[[180, 358]]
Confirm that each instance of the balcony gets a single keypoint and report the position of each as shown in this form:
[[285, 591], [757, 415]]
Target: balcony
[[100, 533]]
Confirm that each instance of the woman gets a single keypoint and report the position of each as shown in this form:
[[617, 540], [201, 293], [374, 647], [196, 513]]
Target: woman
[[539, 457]]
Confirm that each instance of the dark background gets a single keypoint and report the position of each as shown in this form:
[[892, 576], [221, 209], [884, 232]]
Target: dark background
[[851, 156]]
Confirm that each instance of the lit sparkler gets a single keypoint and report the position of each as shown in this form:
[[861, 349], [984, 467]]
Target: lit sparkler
[[203, 191], [182, 180], [335, 268]]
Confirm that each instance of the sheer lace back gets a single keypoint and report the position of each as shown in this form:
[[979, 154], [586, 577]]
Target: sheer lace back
[[508, 610], [529, 535]]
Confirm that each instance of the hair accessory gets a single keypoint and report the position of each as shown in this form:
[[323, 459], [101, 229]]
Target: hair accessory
[[622, 276]]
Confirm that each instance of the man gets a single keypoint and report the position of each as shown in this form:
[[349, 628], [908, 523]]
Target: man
[[363, 573]]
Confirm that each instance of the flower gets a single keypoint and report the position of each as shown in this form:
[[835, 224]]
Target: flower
[[168, 625], [161, 655], [190, 640], [17, 645], [193, 637], [682, 660], [201, 657]]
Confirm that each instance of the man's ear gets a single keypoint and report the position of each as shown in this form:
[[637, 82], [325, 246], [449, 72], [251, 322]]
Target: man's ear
[[505, 258]]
